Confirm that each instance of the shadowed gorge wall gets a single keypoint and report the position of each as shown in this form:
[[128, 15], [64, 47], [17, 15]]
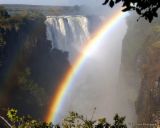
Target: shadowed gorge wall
[[140, 68], [29, 68]]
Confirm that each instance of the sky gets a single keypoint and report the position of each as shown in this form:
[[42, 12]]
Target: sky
[[54, 2]]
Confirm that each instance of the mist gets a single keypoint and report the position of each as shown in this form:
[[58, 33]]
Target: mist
[[111, 79], [97, 82]]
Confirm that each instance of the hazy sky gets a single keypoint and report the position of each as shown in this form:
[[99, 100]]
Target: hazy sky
[[54, 2]]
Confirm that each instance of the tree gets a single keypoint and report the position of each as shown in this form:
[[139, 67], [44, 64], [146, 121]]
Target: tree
[[24, 121], [73, 120], [144, 8], [3, 13]]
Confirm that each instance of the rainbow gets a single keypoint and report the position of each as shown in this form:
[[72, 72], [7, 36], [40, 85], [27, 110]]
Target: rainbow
[[66, 83]]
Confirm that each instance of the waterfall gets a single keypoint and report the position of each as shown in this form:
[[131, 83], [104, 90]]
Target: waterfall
[[69, 33], [96, 84]]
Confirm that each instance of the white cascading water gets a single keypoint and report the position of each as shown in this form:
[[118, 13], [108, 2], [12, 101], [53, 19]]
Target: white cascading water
[[67, 33], [96, 84]]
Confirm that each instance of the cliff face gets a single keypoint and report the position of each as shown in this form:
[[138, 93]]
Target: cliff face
[[140, 68], [29, 69], [31, 65], [148, 102]]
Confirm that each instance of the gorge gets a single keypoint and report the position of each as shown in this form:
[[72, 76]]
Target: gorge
[[36, 51]]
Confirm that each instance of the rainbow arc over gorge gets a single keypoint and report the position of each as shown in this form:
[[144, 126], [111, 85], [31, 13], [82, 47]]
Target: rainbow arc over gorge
[[66, 83]]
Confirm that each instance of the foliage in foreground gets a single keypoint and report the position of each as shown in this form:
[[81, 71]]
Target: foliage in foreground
[[25, 121], [73, 120], [147, 9]]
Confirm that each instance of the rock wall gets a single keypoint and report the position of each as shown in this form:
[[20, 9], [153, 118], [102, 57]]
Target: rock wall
[[140, 68], [29, 70]]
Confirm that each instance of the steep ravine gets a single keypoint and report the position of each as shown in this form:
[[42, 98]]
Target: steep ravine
[[25, 51], [29, 69], [140, 69]]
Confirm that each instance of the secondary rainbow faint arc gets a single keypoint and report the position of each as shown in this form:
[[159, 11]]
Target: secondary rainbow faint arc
[[59, 96]]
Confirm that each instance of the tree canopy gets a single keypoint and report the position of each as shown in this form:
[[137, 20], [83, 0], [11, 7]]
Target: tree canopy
[[72, 120], [147, 9], [3, 13]]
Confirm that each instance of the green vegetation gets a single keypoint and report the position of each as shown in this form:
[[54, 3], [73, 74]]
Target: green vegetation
[[33, 89], [73, 120], [3, 13], [4, 16], [147, 9], [26, 83], [45, 10], [9, 22], [29, 68], [25, 121]]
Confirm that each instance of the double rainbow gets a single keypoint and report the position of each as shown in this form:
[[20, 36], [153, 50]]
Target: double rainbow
[[66, 83]]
